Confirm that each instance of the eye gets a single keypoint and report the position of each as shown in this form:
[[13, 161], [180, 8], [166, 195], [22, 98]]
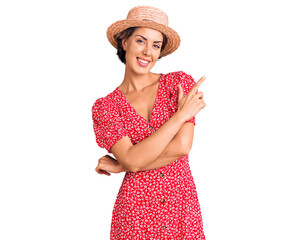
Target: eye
[[140, 41], [157, 46]]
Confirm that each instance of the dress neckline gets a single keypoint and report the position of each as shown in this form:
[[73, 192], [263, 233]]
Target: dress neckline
[[154, 105]]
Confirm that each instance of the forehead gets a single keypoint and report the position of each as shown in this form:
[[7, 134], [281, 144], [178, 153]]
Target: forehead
[[149, 33]]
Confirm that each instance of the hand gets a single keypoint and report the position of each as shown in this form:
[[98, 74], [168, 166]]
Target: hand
[[190, 104], [107, 164]]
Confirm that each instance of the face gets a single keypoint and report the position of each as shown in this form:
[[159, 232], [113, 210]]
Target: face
[[142, 49]]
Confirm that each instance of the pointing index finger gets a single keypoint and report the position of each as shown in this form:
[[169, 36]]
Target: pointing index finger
[[197, 84]]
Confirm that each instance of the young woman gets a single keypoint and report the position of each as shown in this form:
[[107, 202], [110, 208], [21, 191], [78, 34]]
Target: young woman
[[147, 123]]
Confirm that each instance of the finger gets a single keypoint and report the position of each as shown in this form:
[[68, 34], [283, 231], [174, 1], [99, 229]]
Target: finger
[[180, 92], [108, 156], [199, 95], [101, 171], [98, 171], [194, 89], [104, 172]]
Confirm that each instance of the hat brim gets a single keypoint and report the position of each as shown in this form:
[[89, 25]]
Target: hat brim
[[173, 39]]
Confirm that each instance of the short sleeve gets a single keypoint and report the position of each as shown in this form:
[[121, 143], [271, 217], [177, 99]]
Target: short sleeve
[[187, 82], [107, 124]]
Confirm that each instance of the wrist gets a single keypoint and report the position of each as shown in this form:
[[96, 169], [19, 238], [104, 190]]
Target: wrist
[[123, 169], [179, 117]]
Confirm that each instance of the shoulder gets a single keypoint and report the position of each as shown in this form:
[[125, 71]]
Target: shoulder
[[177, 76], [106, 102], [105, 107], [172, 79], [97, 109], [97, 104]]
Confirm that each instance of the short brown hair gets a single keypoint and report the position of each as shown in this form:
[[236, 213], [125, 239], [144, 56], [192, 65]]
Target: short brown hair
[[121, 53]]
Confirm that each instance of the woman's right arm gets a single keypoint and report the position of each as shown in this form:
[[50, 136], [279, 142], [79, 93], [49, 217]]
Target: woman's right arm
[[136, 157], [179, 146]]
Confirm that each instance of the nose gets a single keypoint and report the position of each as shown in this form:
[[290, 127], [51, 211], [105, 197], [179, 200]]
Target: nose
[[147, 50]]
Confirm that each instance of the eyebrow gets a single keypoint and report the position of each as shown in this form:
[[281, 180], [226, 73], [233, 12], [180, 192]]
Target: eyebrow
[[146, 39]]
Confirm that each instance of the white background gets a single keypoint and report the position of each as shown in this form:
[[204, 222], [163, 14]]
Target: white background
[[56, 61]]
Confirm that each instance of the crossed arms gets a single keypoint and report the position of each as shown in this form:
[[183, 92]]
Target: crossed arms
[[171, 141], [179, 146]]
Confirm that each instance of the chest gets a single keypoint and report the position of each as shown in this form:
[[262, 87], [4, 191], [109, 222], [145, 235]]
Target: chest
[[144, 102], [137, 125]]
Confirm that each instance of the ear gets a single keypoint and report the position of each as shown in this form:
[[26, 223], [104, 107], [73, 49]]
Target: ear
[[124, 44]]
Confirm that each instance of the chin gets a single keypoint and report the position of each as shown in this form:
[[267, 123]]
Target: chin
[[143, 71], [140, 70]]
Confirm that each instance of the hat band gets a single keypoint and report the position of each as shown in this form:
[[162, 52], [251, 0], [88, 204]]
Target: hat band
[[147, 20]]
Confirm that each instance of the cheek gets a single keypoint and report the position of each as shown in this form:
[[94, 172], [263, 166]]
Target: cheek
[[156, 56], [132, 51]]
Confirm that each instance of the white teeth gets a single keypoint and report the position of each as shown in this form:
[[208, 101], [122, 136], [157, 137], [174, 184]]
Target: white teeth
[[142, 61]]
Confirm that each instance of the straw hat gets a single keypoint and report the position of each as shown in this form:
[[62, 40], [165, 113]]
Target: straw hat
[[146, 16]]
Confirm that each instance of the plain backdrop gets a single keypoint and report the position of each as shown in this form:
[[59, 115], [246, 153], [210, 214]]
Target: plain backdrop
[[55, 61]]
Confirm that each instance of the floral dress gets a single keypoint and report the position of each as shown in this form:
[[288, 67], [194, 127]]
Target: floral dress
[[155, 204]]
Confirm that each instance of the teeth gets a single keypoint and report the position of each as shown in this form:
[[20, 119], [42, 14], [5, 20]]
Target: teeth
[[143, 61]]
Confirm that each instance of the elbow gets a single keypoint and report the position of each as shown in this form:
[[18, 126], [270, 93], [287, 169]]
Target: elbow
[[186, 147]]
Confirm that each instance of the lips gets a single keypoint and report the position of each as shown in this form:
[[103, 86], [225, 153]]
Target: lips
[[143, 62]]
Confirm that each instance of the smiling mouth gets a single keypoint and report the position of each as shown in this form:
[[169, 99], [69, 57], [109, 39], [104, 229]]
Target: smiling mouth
[[142, 63]]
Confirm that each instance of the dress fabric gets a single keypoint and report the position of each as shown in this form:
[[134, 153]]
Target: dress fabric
[[159, 204]]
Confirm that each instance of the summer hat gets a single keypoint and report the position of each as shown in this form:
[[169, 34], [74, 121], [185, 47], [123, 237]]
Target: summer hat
[[146, 16]]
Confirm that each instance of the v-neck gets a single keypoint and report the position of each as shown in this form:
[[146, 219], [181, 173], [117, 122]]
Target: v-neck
[[154, 105]]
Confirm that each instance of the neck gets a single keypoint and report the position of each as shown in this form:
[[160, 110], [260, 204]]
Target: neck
[[134, 82]]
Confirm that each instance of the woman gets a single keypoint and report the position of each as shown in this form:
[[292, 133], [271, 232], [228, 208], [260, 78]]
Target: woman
[[147, 123]]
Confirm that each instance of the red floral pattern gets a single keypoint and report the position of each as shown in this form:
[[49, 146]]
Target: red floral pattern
[[153, 204]]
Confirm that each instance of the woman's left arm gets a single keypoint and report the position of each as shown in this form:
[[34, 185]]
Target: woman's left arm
[[179, 146]]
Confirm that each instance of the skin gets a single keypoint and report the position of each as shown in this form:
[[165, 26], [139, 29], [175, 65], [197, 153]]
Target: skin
[[175, 137]]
